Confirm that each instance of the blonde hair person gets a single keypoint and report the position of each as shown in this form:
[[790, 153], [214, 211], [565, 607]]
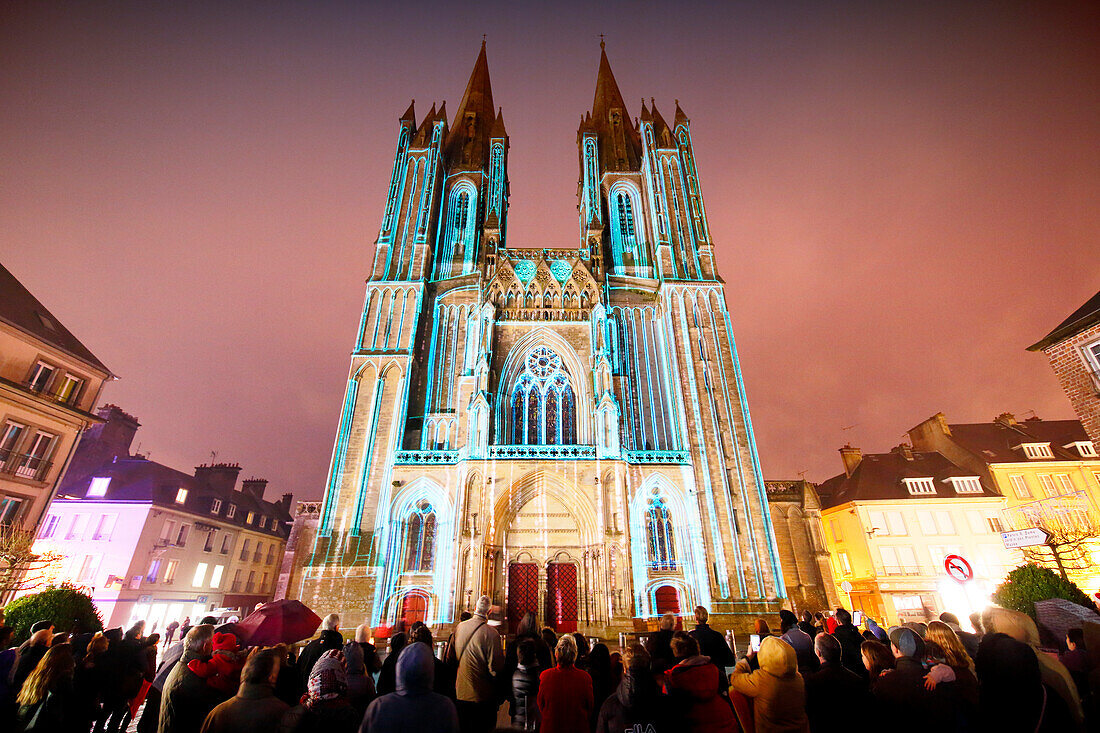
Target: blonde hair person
[[55, 666], [98, 644], [566, 650], [954, 652]]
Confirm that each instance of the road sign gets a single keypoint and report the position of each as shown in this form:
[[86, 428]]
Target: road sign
[[846, 587], [958, 568], [1025, 538]]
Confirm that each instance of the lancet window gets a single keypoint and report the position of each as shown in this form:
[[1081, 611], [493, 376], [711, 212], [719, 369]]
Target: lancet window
[[662, 545], [544, 407], [420, 539]]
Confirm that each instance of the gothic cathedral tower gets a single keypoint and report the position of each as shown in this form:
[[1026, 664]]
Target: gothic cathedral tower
[[563, 429]]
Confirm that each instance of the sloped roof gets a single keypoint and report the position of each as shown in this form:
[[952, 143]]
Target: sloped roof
[[879, 476], [22, 310], [997, 442], [1082, 318]]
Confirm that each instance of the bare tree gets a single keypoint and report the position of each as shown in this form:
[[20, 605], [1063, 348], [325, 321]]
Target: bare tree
[[21, 568], [1074, 535]]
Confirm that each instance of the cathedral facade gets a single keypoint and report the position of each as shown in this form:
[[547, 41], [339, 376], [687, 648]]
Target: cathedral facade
[[564, 429]]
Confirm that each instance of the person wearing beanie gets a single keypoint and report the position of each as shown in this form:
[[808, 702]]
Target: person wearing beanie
[[776, 688], [326, 707], [901, 695]]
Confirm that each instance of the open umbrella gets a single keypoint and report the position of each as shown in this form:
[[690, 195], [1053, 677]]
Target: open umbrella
[[278, 622]]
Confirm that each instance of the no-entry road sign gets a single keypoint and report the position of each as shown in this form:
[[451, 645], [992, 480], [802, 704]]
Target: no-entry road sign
[[958, 568], [1025, 537]]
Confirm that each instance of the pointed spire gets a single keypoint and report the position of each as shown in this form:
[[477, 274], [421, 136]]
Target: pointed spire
[[442, 115], [498, 126], [468, 141], [607, 95], [410, 115], [681, 118], [659, 124], [620, 145], [646, 116]]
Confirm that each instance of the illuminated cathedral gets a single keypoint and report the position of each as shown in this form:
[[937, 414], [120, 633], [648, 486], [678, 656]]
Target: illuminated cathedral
[[562, 429]]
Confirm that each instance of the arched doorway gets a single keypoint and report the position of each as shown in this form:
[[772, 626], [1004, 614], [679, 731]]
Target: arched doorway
[[523, 592], [414, 607], [667, 600], [561, 597]]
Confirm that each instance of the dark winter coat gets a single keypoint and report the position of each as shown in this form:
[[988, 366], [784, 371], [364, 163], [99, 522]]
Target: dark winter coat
[[525, 691], [851, 655], [809, 628], [900, 695], [328, 639], [834, 696], [57, 712], [170, 659], [360, 683], [636, 705], [659, 646], [565, 700], [803, 645], [330, 716], [254, 707], [693, 692], [29, 658], [186, 699], [413, 706], [712, 644]]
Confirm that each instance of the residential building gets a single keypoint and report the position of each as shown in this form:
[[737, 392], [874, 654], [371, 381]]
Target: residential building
[[1048, 472], [150, 542], [890, 521], [1073, 349], [49, 383], [561, 426], [800, 536]]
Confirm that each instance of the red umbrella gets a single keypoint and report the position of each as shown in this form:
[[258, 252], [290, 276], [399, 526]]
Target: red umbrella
[[278, 622]]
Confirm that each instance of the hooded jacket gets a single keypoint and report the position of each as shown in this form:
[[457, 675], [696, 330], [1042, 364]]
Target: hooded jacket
[[1022, 628], [413, 706], [329, 639], [636, 705], [693, 690], [778, 692], [360, 684]]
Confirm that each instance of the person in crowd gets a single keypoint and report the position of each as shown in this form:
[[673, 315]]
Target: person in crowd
[[186, 699], [89, 679], [525, 685], [526, 629], [829, 624], [876, 657], [807, 624], [185, 626], [968, 639], [255, 706], [325, 708], [565, 692], [550, 639], [223, 670], [1076, 659], [800, 641], [692, 685], [850, 640], [361, 689], [599, 669], [711, 643], [47, 702], [583, 651], [478, 655], [1011, 695], [955, 656], [760, 628], [9, 657], [636, 704], [288, 685], [835, 695], [659, 645], [170, 633], [901, 696], [777, 690], [79, 636], [444, 682], [31, 653], [1056, 677], [413, 706], [330, 638], [387, 677], [172, 655], [124, 670]]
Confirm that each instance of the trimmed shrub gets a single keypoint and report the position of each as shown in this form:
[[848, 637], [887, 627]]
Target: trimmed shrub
[[1029, 583], [63, 605]]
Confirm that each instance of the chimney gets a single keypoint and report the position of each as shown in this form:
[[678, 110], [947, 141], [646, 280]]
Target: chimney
[[115, 436], [905, 451], [941, 420], [254, 487], [851, 457], [286, 501], [218, 476]]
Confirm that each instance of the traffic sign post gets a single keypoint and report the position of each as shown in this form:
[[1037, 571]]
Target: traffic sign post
[[958, 568], [1025, 538]]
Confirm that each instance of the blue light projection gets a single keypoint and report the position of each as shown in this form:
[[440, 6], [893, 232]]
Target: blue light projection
[[525, 270], [561, 270]]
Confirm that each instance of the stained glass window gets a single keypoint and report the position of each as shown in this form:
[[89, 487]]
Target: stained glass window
[[543, 403], [662, 547], [420, 539]]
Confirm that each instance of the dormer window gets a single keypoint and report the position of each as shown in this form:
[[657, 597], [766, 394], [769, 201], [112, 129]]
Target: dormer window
[[965, 484], [1084, 448], [920, 486], [215, 506], [251, 517], [231, 511], [1037, 450], [181, 496], [99, 486]]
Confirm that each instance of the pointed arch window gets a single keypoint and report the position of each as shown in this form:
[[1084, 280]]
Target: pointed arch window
[[543, 403], [420, 539], [660, 536], [624, 237]]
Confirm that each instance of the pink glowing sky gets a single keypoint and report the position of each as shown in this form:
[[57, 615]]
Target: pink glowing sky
[[902, 200]]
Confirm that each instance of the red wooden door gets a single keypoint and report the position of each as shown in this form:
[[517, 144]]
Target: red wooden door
[[523, 591], [561, 597], [414, 607], [668, 600]]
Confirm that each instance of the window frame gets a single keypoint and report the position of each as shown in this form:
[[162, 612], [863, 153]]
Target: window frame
[[920, 486]]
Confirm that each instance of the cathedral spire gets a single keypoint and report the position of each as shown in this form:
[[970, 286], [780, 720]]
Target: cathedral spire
[[468, 141], [619, 141]]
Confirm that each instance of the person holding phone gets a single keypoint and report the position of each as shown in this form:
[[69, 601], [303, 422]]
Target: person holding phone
[[777, 689]]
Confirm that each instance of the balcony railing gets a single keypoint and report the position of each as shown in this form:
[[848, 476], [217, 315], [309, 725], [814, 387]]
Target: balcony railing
[[552, 452], [425, 457], [901, 570], [52, 396], [24, 465]]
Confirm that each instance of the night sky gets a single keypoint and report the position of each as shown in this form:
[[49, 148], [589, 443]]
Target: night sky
[[902, 200]]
